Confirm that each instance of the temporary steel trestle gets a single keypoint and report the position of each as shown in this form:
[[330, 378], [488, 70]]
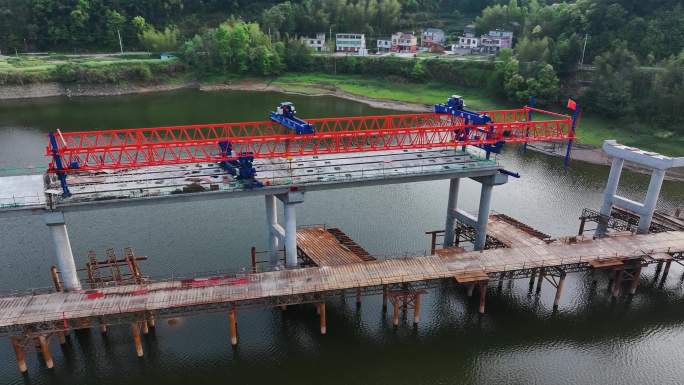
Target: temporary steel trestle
[[140, 147]]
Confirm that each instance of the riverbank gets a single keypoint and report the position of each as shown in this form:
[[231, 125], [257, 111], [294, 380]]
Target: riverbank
[[52, 89], [257, 85]]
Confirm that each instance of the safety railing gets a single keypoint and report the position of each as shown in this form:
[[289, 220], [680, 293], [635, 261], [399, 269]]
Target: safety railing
[[14, 201]]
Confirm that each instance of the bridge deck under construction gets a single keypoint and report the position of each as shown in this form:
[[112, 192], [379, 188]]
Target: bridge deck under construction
[[22, 314], [209, 180]]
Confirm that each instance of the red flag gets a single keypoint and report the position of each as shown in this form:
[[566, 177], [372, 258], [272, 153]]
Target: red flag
[[572, 104]]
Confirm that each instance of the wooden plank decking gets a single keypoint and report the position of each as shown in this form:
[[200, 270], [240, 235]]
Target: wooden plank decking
[[509, 234], [55, 307], [319, 245]]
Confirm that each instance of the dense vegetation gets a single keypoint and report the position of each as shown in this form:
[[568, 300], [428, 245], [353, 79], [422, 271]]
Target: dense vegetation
[[634, 58], [83, 25], [636, 49]]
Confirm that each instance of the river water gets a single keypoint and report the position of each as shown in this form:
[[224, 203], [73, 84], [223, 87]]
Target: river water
[[590, 339]]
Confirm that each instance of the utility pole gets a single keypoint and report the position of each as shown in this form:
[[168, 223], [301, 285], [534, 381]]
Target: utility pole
[[584, 48], [120, 42]]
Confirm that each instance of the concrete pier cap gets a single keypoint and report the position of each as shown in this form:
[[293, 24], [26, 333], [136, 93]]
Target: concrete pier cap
[[645, 158]]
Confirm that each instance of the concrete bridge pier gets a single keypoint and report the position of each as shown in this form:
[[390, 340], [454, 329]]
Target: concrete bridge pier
[[656, 162], [479, 223], [65, 256], [279, 235], [483, 213], [452, 206]]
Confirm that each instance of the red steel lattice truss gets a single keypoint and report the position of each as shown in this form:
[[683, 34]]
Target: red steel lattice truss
[[140, 147]]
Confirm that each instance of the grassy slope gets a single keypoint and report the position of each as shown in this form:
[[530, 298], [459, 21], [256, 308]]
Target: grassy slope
[[592, 129]]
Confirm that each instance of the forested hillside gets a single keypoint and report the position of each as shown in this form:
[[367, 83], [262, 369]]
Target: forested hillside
[[68, 25]]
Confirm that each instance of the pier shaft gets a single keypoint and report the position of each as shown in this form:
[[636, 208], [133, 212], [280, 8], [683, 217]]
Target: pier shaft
[[20, 354], [290, 235], [452, 205], [416, 309], [232, 318], [65, 256], [483, 293], [483, 215], [135, 330], [45, 351], [540, 280], [271, 222], [559, 289], [609, 194], [321, 314]]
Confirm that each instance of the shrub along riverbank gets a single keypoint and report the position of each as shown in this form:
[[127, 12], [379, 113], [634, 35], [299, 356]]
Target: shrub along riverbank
[[92, 69]]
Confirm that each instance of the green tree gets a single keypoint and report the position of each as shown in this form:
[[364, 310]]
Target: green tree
[[544, 86], [387, 17], [533, 50], [279, 18], [297, 55], [510, 17], [159, 41], [418, 71], [611, 91], [115, 22]]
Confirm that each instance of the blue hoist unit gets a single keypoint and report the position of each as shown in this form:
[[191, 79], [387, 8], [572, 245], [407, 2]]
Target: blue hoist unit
[[285, 115], [455, 106], [59, 164], [241, 168]]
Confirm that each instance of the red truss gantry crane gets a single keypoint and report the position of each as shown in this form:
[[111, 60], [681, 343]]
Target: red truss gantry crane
[[140, 147]]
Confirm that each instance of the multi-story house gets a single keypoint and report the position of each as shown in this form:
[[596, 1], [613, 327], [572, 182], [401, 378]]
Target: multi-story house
[[404, 42], [431, 37], [350, 42], [317, 43]]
